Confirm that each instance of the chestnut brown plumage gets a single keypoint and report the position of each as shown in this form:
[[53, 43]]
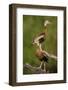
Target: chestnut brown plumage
[[38, 41], [41, 55]]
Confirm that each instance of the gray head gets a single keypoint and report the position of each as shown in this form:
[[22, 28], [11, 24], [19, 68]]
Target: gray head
[[46, 22]]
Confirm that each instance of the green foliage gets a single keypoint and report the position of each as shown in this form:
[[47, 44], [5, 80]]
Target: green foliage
[[32, 25]]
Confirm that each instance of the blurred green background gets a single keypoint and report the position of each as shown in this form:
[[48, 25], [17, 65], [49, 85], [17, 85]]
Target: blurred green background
[[32, 25]]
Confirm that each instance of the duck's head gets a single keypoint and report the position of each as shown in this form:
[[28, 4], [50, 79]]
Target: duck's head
[[46, 23]]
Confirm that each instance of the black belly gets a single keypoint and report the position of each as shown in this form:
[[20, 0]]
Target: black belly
[[44, 58]]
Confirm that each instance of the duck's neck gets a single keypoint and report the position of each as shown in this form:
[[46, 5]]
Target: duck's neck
[[45, 30], [39, 47]]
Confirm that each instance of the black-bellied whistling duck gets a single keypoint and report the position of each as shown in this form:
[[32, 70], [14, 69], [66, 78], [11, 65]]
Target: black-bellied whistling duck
[[38, 41]]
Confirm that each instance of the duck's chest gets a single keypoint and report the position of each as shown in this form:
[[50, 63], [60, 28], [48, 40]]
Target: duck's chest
[[39, 54]]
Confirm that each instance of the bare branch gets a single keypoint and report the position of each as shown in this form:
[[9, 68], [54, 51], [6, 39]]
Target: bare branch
[[34, 70], [49, 55]]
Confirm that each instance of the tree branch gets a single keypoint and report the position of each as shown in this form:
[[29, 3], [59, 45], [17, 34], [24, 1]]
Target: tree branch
[[37, 70], [50, 55], [34, 70]]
